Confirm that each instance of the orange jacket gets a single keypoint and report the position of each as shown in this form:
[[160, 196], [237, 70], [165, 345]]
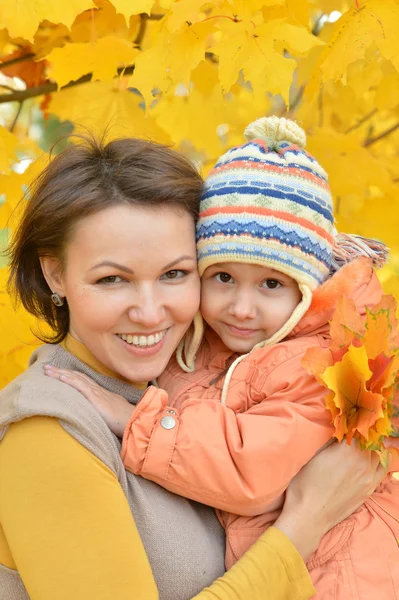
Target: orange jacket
[[240, 457]]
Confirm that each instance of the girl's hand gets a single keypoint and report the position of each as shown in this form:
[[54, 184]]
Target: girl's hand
[[335, 483], [114, 409]]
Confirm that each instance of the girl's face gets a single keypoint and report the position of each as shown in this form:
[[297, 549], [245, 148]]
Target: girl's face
[[132, 287], [247, 304]]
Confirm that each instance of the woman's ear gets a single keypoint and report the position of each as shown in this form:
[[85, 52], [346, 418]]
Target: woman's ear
[[51, 268]]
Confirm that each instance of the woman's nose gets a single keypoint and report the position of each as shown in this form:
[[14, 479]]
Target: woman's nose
[[148, 309]]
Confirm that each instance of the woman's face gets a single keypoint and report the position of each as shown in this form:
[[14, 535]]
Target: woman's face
[[130, 279]]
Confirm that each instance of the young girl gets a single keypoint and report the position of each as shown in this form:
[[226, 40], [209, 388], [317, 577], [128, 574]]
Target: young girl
[[269, 261]]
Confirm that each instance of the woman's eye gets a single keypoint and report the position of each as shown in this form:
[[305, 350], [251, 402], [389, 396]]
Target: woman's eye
[[110, 279], [223, 277], [271, 284], [174, 274]]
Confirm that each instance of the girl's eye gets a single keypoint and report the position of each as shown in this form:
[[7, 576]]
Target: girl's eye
[[271, 284], [110, 279], [174, 274], [223, 277]]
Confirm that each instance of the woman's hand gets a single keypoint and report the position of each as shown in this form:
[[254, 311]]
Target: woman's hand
[[334, 484], [114, 409]]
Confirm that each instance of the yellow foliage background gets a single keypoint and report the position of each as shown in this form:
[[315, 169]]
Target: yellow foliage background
[[193, 74]]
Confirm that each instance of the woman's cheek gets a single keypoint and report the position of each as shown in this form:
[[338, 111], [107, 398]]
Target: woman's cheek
[[187, 301]]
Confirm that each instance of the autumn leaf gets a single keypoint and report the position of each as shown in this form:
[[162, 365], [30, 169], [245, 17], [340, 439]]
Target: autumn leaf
[[184, 11], [127, 8], [22, 17], [101, 58], [346, 325], [8, 147], [259, 53], [32, 72], [104, 106], [381, 335], [316, 361], [357, 408], [372, 23], [18, 342], [156, 71]]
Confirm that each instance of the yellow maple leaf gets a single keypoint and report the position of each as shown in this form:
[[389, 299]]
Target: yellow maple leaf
[[11, 185], [259, 53], [182, 12], [8, 147], [262, 65], [101, 106], [105, 21], [127, 8], [102, 59], [372, 23], [170, 60], [23, 17], [191, 118], [17, 340], [351, 167]]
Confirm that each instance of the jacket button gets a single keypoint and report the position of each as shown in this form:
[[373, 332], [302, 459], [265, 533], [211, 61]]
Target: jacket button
[[168, 422]]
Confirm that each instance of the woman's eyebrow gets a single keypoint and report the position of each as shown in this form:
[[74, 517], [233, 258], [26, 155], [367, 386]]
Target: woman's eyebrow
[[175, 262], [110, 263]]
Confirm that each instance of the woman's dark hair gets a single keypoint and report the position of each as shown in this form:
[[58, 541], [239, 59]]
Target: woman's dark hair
[[81, 181]]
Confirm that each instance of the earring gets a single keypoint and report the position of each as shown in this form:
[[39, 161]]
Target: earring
[[57, 300]]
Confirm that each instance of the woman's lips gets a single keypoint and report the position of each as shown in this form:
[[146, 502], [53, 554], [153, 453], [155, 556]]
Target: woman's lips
[[141, 351]]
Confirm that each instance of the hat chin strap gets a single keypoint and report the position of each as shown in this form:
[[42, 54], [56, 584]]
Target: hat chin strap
[[288, 326], [188, 346]]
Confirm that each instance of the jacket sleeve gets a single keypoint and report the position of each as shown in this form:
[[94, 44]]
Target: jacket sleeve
[[72, 535], [237, 462]]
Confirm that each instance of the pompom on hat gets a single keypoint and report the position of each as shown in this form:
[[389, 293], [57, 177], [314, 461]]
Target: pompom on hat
[[268, 202]]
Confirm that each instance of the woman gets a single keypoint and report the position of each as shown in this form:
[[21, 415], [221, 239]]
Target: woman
[[105, 253]]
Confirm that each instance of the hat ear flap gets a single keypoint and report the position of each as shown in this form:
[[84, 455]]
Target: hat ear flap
[[188, 347]]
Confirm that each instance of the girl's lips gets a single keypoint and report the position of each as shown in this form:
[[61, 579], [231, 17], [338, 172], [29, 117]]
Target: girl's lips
[[241, 331]]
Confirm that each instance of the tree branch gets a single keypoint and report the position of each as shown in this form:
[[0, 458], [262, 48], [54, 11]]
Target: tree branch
[[13, 124], [50, 86], [382, 135], [16, 60], [362, 120], [141, 32]]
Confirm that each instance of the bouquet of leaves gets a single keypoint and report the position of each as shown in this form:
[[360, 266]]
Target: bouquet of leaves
[[360, 369]]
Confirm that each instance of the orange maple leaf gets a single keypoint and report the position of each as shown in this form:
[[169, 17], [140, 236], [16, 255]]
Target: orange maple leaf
[[32, 72], [358, 409], [346, 326], [361, 371]]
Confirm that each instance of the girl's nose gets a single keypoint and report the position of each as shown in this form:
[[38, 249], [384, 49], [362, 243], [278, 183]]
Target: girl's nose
[[243, 307]]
